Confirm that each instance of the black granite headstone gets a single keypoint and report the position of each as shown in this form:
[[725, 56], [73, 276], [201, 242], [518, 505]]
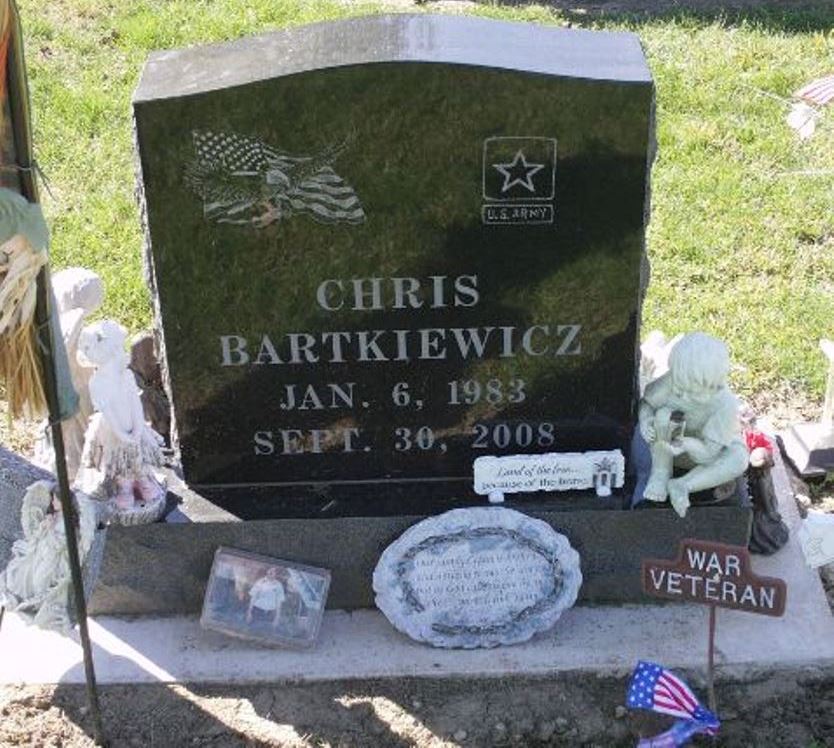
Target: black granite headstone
[[383, 247]]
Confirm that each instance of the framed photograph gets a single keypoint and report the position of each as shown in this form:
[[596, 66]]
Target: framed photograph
[[265, 599]]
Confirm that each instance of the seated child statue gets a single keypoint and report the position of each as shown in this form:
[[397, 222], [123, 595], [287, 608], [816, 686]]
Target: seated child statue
[[690, 421]]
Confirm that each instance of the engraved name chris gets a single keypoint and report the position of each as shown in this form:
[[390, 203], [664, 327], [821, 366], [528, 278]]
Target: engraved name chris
[[397, 345]]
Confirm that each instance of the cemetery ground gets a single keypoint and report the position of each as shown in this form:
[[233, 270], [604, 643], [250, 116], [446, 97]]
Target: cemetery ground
[[791, 711], [741, 243]]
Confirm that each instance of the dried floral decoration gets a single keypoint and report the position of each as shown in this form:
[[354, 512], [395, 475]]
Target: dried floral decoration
[[23, 239]]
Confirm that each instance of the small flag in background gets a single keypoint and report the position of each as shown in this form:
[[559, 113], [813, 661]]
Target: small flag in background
[[803, 118], [805, 113], [819, 92], [654, 688]]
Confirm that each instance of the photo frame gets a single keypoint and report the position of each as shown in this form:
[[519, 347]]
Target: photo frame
[[265, 599]]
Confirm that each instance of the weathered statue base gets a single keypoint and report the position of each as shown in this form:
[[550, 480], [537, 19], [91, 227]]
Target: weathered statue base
[[138, 509], [142, 512]]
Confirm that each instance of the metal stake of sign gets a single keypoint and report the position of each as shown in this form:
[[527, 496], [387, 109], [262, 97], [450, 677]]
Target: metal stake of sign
[[718, 575], [67, 506], [20, 122], [713, 706]]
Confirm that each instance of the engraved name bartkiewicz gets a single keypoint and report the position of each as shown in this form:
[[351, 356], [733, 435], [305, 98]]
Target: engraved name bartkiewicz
[[242, 180], [400, 345]]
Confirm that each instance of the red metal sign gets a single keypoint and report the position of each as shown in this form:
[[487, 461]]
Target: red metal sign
[[714, 574]]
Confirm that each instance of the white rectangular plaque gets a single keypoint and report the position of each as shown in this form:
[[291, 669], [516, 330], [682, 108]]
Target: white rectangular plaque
[[816, 536], [554, 471]]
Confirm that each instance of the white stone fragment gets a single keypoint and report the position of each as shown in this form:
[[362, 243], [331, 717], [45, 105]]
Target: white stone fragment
[[816, 536]]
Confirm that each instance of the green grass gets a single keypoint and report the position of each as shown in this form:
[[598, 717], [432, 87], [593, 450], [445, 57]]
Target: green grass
[[741, 244]]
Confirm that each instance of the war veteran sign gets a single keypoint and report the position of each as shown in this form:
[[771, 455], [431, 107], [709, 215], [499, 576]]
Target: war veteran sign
[[714, 574]]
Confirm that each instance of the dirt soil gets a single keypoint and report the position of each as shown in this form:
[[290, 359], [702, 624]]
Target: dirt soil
[[794, 710]]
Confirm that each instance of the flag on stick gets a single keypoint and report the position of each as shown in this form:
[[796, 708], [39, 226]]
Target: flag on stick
[[819, 91], [659, 690]]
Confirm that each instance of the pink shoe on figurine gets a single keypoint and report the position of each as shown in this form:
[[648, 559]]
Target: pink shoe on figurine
[[124, 498], [148, 490]]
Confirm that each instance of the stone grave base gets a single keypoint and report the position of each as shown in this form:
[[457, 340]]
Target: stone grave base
[[605, 640], [162, 569]]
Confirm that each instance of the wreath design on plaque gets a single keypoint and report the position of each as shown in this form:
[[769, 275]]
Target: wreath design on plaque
[[413, 601]]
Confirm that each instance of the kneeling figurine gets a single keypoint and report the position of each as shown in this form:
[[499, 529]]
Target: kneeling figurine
[[690, 421]]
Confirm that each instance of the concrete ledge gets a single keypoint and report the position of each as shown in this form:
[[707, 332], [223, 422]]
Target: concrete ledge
[[362, 645]]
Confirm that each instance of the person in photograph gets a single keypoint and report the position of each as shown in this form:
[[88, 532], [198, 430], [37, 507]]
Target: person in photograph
[[266, 598], [303, 602], [224, 598]]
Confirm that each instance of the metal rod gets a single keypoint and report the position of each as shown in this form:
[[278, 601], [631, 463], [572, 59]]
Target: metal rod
[[711, 661], [827, 347], [19, 110], [70, 523]]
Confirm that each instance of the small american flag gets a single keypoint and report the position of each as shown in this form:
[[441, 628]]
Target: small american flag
[[657, 689], [819, 92]]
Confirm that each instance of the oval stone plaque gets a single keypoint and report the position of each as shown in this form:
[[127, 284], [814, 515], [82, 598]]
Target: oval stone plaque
[[477, 578]]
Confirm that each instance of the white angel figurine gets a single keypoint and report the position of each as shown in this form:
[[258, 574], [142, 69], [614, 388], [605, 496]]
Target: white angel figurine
[[120, 448], [78, 294], [36, 582]]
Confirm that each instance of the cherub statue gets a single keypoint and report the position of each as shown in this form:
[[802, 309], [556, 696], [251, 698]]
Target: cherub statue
[[120, 449], [78, 293], [37, 582], [690, 420]]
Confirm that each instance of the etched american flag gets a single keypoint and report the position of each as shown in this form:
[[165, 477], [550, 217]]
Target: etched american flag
[[242, 180]]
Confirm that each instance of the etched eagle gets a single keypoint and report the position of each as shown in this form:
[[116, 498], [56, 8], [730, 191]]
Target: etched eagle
[[242, 180]]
